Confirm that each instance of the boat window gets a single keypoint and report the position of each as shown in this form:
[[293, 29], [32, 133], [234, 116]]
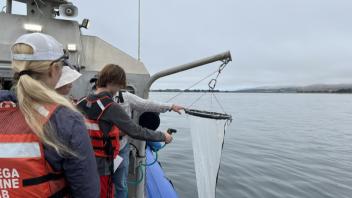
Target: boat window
[[19, 8]]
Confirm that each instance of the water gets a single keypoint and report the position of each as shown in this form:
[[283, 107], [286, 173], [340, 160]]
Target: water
[[278, 145]]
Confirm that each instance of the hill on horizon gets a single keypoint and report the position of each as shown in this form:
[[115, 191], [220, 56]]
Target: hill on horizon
[[314, 88], [325, 88]]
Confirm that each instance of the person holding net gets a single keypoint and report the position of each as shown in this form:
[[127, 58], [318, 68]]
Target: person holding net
[[107, 123]]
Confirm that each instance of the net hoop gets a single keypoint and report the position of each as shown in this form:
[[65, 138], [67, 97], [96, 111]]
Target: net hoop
[[208, 114]]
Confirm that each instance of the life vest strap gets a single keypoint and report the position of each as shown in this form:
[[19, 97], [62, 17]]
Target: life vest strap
[[105, 107], [42, 179], [102, 138], [105, 143], [102, 148]]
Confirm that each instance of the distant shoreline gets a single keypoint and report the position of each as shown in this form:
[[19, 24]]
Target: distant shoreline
[[339, 91]]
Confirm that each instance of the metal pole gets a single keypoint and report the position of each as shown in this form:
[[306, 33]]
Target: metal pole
[[139, 30], [197, 63], [8, 6]]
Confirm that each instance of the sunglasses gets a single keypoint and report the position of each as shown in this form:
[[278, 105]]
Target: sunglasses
[[61, 59], [64, 59]]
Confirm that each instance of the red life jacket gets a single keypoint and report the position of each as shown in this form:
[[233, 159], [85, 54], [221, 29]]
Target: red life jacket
[[24, 171], [105, 144]]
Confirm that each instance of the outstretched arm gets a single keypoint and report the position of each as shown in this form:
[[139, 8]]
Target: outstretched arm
[[115, 114], [142, 105]]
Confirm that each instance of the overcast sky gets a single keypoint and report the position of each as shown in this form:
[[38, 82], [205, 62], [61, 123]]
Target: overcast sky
[[272, 42]]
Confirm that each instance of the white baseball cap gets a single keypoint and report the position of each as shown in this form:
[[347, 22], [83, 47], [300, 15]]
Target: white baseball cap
[[45, 47], [68, 76]]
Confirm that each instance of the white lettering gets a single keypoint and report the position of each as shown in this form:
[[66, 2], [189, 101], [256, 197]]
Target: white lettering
[[9, 179], [15, 174], [4, 194], [6, 173], [15, 183], [6, 183], [9, 183]]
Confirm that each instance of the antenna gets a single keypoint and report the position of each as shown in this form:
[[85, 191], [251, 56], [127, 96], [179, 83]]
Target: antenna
[[8, 6], [139, 30]]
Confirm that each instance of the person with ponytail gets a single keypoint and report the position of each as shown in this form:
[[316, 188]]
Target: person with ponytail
[[43, 139]]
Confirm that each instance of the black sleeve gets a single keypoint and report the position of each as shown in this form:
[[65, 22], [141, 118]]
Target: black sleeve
[[115, 114]]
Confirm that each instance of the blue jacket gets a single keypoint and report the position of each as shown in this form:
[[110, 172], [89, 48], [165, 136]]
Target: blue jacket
[[81, 173]]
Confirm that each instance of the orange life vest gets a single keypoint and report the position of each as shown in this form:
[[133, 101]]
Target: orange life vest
[[104, 144], [24, 172]]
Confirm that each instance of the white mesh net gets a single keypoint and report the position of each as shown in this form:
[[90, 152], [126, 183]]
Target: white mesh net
[[207, 140]]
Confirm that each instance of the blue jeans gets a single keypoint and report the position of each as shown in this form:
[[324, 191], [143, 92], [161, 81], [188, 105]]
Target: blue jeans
[[121, 174]]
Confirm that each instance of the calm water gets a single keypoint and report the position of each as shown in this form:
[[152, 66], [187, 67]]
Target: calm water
[[278, 145]]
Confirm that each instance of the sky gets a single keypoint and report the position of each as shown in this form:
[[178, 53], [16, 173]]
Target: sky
[[272, 42]]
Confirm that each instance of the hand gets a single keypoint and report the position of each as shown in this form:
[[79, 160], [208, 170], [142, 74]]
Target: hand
[[177, 108], [168, 138]]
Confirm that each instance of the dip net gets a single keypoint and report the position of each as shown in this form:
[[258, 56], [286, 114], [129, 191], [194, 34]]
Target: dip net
[[207, 132]]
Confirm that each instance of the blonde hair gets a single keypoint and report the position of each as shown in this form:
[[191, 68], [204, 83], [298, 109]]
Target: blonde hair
[[32, 92]]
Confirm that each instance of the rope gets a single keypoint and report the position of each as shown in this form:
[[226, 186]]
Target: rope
[[212, 84], [162, 147], [3, 8], [214, 80], [141, 165], [136, 182], [42, 2], [36, 3], [197, 99], [155, 160], [217, 101], [192, 86]]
